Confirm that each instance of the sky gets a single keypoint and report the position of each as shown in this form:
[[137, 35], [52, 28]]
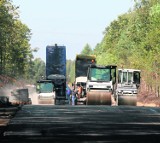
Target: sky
[[72, 23]]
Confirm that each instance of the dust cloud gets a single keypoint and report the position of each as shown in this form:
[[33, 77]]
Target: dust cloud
[[7, 89], [32, 94]]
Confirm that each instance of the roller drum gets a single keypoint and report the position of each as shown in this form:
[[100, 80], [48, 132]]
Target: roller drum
[[98, 98], [127, 100], [44, 101]]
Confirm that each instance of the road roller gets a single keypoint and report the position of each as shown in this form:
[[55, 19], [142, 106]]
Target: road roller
[[127, 86], [51, 90], [46, 94], [100, 84]]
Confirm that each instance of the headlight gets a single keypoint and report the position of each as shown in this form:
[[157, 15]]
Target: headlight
[[134, 91]]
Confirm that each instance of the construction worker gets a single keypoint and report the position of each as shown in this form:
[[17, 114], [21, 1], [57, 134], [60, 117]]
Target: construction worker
[[79, 91], [68, 94], [74, 96]]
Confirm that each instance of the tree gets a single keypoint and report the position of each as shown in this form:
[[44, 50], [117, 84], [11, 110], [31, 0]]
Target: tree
[[87, 50], [70, 71], [15, 50], [133, 40], [36, 70]]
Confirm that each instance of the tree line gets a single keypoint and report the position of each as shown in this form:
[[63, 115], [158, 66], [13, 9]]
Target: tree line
[[132, 41], [16, 55]]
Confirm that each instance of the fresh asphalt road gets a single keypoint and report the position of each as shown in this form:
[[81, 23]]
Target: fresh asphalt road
[[81, 123]]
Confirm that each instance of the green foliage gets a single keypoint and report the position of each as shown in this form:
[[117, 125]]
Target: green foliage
[[87, 50], [36, 70], [133, 41], [15, 51], [70, 71]]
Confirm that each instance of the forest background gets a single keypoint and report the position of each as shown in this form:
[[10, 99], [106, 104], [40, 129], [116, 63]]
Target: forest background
[[130, 41]]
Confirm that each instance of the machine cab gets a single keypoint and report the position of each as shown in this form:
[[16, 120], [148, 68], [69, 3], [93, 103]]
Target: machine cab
[[44, 86], [102, 73], [101, 77], [129, 76]]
